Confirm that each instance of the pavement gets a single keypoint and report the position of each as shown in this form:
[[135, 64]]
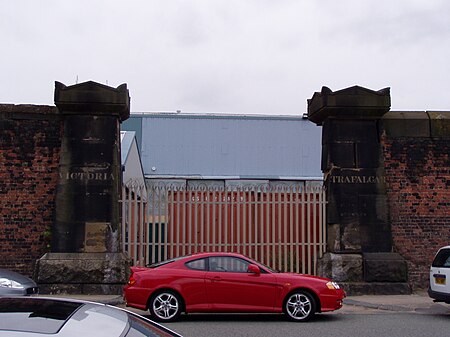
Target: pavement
[[105, 299], [418, 302]]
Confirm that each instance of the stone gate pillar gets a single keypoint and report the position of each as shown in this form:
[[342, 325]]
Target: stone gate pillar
[[358, 226], [87, 208], [86, 233]]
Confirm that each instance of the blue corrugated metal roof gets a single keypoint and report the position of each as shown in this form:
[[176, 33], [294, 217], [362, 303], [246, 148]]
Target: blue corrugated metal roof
[[228, 146]]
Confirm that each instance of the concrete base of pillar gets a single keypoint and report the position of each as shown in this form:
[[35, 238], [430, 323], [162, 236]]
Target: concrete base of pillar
[[376, 288], [82, 273], [385, 267], [341, 267], [367, 273]]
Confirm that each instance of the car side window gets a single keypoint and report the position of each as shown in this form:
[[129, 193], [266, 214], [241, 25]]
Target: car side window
[[199, 264], [227, 264]]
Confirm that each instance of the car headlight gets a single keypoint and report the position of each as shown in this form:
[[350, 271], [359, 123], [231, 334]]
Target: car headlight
[[333, 285], [7, 283]]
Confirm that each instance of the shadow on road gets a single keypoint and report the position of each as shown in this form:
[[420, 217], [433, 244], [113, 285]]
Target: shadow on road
[[242, 317]]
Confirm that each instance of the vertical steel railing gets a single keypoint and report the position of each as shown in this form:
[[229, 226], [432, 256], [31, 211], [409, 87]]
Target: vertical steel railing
[[281, 227]]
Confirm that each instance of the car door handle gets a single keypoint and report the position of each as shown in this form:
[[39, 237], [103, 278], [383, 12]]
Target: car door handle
[[216, 278]]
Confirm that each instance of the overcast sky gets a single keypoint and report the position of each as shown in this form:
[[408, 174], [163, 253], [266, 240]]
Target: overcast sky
[[237, 56]]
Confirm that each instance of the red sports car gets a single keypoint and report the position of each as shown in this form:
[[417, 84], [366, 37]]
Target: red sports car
[[227, 282]]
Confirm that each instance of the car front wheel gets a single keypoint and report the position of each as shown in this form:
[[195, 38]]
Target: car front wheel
[[165, 306], [300, 306]]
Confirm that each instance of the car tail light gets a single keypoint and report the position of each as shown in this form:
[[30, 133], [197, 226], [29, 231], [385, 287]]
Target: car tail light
[[132, 280]]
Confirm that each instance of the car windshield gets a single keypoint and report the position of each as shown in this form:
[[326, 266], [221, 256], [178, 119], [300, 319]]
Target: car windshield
[[442, 259], [264, 266]]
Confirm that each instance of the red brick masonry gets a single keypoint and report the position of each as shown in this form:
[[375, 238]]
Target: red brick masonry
[[30, 138], [418, 186]]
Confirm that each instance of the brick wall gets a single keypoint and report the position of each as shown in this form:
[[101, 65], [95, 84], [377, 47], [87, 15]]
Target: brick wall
[[416, 154], [30, 139], [417, 168]]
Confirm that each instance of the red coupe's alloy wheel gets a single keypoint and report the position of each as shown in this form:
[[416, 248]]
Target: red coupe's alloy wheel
[[300, 306], [165, 306]]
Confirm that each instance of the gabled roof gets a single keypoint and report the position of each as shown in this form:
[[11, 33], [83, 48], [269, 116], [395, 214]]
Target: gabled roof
[[132, 171], [126, 140]]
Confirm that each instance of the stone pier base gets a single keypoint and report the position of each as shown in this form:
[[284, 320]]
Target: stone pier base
[[367, 273], [82, 273]]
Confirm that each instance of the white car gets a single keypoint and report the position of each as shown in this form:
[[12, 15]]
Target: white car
[[33, 316], [439, 288]]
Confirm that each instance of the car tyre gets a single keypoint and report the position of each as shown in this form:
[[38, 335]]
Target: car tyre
[[165, 306], [300, 306]]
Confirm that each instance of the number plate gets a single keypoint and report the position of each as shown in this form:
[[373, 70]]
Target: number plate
[[438, 279]]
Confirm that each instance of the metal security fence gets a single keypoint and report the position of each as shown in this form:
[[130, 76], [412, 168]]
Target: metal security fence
[[282, 227]]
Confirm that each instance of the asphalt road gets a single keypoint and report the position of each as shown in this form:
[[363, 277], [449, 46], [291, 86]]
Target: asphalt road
[[348, 322], [370, 325]]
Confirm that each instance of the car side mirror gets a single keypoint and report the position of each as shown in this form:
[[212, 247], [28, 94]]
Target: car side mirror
[[253, 269]]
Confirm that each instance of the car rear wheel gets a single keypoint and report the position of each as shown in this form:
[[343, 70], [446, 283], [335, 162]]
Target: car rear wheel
[[300, 306], [165, 306]]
